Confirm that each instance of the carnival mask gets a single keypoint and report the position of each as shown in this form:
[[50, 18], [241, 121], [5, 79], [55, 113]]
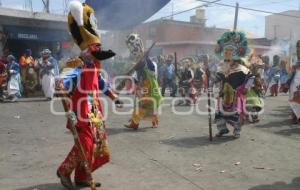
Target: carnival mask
[[135, 46]]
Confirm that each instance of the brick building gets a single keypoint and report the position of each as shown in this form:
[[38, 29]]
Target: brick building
[[185, 38]]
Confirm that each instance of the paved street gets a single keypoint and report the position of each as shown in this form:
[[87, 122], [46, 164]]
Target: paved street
[[176, 156]]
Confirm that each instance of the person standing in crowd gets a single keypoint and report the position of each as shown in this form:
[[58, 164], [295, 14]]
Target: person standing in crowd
[[275, 76], [161, 69], [5, 54], [186, 84], [199, 73], [148, 93], [3, 77], [266, 74], [25, 60], [48, 73], [169, 77], [14, 79], [283, 75]]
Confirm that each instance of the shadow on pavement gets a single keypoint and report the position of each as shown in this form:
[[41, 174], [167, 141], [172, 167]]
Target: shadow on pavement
[[289, 132], [281, 111], [286, 122], [26, 100], [295, 185], [116, 131], [49, 186], [193, 142]]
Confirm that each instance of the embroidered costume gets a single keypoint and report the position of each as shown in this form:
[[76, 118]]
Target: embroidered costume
[[148, 95], [233, 77], [83, 84], [293, 85], [254, 90]]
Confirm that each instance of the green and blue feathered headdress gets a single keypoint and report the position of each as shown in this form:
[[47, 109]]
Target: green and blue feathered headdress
[[235, 42]]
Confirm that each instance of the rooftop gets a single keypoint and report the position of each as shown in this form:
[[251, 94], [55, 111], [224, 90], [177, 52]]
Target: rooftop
[[32, 19]]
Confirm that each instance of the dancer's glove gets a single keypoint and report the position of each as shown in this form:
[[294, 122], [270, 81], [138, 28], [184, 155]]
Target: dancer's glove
[[72, 116]]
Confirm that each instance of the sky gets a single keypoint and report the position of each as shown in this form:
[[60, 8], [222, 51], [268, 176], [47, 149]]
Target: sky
[[221, 17]]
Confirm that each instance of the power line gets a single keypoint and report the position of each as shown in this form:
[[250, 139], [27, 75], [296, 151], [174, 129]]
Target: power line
[[184, 11], [270, 3], [251, 9]]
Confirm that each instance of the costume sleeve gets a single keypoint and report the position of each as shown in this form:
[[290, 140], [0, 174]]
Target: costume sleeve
[[150, 64], [15, 68], [105, 87], [290, 78], [22, 61], [250, 82], [70, 78], [191, 73]]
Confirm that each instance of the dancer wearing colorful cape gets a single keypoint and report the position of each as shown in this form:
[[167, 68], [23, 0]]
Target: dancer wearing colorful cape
[[85, 115], [293, 86], [232, 47], [148, 93], [254, 89]]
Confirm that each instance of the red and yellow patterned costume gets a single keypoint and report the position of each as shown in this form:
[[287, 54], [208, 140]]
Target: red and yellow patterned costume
[[84, 84], [86, 105]]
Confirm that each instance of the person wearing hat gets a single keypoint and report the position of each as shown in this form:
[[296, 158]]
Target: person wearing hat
[[49, 70], [83, 84], [14, 79], [233, 76]]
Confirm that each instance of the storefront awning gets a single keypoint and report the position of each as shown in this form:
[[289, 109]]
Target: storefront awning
[[36, 34]]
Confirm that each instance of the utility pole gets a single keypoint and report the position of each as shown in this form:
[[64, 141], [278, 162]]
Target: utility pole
[[172, 18], [275, 31], [46, 5], [236, 16], [66, 6]]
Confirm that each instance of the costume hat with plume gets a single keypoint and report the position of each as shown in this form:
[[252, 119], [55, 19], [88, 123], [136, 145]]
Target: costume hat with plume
[[83, 27]]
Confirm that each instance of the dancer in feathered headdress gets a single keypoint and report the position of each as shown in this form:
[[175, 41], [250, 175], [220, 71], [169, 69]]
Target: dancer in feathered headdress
[[235, 79]]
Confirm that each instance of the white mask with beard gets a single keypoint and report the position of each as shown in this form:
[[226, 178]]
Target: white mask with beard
[[135, 46]]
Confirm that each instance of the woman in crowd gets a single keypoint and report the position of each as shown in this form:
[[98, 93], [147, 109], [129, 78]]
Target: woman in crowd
[[14, 79], [48, 73]]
